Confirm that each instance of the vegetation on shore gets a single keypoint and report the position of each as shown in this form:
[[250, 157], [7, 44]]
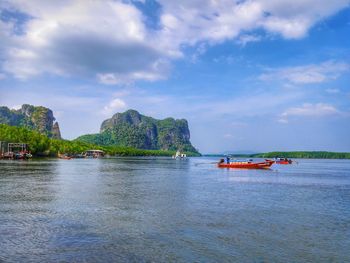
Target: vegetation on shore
[[306, 155], [296, 154], [36, 118], [126, 132], [41, 145]]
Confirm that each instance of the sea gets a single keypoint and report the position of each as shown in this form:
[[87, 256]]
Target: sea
[[164, 210]]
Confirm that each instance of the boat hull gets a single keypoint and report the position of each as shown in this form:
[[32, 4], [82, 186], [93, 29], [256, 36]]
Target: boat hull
[[261, 165], [283, 162]]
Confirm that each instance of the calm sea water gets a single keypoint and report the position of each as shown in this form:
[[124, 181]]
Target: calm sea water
[[162, 210]]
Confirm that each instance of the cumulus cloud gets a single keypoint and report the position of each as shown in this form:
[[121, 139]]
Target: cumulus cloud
[[308, 74], [186, 21], [114, 106], [111, 41], [309, 110], [106, 40]]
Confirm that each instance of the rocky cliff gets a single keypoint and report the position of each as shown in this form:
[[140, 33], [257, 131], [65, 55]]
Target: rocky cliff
[[38, 118], [136, 130]]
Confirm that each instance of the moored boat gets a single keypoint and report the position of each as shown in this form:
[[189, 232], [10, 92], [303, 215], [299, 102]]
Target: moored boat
[[179, 155], [283, 161], [246, 164], [16, 155], [64, 156]]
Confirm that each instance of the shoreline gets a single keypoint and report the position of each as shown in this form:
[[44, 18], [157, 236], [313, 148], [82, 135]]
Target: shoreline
[[292, 154]]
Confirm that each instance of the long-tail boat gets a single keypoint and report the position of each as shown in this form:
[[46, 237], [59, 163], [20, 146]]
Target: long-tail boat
[[246, 164], [64, 156], [283, 161]]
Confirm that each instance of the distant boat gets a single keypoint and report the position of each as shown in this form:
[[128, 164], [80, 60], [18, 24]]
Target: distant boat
[[246, 164], [64, 156], [283, 161], [179, 155]]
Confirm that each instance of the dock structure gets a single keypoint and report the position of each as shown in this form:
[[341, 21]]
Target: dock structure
[[14, 150], [17, 147]]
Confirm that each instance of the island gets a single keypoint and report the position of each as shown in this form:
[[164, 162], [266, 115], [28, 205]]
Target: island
[[125, 134]]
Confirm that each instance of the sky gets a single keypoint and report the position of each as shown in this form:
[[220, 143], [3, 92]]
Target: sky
[[251, 76]]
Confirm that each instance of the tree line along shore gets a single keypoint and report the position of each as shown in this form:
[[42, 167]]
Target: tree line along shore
[[306, 155], [294, 154], [42, 146]]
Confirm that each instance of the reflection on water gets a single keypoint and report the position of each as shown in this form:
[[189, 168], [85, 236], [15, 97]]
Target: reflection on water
[[159, 209]]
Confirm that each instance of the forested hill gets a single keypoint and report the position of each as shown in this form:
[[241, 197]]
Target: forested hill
[[36, 118], [41, 145], [133, 129]]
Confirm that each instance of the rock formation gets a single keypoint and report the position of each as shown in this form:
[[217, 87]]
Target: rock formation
[[136, 130], [37, 118]]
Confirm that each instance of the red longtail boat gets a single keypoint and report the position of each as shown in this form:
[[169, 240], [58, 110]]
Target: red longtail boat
[[246, 164], [283, 161], [64, 156]]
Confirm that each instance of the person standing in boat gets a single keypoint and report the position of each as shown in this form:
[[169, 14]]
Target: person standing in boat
[[227, 159]]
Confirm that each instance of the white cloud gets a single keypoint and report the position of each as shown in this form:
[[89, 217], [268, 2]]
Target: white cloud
[[16, 107], [108, 78], [114, 106], [309, 110], [245, 39], [293, 18], [308, 74], [109, 40], [289, 28], [189, 22]]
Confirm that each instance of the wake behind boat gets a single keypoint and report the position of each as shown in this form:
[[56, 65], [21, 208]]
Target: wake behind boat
[[245, 164]]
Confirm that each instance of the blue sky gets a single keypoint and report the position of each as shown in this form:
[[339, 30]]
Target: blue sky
[[252, 75]]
